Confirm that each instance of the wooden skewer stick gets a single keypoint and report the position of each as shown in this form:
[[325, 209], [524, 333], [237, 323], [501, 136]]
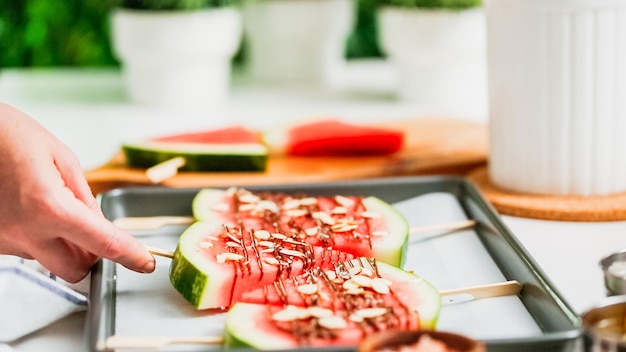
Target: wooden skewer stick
[[167, 169], [151, 222], [449, 227], [160, 252], [499, 289], [158, 342]]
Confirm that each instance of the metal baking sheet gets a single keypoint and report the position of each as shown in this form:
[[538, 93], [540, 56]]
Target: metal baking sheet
[[124, 303]]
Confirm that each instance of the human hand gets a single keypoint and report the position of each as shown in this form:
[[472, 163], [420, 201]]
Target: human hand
[[47, 210]]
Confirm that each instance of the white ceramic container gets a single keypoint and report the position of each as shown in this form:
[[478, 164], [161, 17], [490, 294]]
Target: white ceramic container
[[297, 41], [176, 58], [557, 92], [440, 55]]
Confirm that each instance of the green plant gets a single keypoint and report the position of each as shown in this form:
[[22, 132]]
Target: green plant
[[434, 4], [36, 33], [185, 5]]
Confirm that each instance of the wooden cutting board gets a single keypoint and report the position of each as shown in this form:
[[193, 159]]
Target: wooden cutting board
[[432, 146]]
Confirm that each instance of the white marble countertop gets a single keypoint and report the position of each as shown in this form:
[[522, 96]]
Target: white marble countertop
[[75, 103]]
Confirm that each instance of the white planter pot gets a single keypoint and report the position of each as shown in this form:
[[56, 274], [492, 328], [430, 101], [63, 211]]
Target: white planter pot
[[557, 83], [440, 55], [177, 59], [297, 41]]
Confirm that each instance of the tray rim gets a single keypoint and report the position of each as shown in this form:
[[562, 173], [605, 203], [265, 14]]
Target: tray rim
[[567, 336]]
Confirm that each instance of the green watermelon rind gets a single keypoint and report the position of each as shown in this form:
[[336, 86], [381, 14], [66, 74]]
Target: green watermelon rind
[[199, 157], [188, 268], [392, 250], [242, 331]]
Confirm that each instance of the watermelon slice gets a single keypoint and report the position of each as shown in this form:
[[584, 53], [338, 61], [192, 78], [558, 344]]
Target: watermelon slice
[[361, 226], [214, 264], [331, 137], [333, 307], [227, 149]]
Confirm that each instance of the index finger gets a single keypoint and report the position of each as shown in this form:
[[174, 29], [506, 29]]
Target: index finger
[[94, 233]]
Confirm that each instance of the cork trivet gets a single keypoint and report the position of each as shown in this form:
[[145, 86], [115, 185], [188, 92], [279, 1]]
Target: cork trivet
[[610, 207]]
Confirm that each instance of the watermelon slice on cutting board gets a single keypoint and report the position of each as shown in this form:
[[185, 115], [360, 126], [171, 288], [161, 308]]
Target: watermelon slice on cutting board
[[336, 307], [333, 137], [228, 149], [361, 226]]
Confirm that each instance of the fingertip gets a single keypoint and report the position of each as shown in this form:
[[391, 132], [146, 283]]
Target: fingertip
[[150, 265]]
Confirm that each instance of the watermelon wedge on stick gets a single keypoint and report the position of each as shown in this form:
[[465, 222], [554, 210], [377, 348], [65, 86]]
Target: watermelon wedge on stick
[[228, 149], [337, 307], [214, 264], [361, 226]]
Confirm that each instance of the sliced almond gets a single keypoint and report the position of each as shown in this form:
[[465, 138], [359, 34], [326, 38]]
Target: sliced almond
[[366, 271], [311, 231], [267, 205], [379, 286], [331, 275], [355, 291], [308, 201], [371, 214], [262, 234], [362, 280], [371, 312], [333, 322], [292, 253], [249, 198], [223, 257], [348, 285], [324, 217], [247, 207], [279, 236], [354, 270], [320, 312], [291, 204], [232, 244], [272, 261], [356, 318], [344, 201], [344, 228], [290, 313], [268, 244], [307, 289], [339, 210]]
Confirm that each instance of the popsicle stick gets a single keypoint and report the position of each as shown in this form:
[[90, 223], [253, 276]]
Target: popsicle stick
[[425, 233], [151, 222], [158, 342], [499, 289], [167, 169], [448, 227], [160, 252]]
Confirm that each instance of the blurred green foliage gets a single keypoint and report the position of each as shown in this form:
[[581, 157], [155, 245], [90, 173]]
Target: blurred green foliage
[[36, 33], [54, 33], [185, 5], [434, 4]]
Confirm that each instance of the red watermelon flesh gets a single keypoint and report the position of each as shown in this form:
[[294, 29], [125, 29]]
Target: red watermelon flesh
[[215, 264], [334, 307], [331, 137], [361, 226], [233, 135]]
